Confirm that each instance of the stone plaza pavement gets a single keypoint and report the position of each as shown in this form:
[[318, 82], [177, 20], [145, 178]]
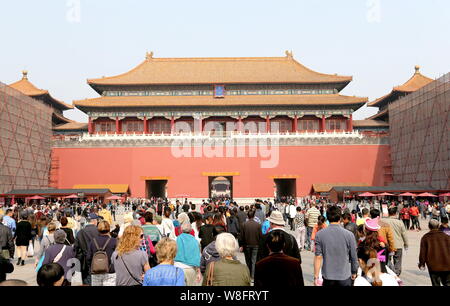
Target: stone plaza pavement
[[411, 275]]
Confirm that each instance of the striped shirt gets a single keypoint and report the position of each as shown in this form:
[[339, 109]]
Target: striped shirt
[[312, 215]]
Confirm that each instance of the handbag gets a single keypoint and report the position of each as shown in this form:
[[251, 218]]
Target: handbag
[[30, 252], [210, 276]]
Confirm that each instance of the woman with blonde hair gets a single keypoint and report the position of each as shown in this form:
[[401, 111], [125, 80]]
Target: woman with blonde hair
[[45, 243], [165, 274], [130, 263]]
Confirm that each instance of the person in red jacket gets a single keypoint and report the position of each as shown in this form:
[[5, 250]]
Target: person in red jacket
[[414, 214], [405, 216]]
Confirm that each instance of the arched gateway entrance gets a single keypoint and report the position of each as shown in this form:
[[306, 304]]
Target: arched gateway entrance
[[285, 187], [155, 188], [220, 186]]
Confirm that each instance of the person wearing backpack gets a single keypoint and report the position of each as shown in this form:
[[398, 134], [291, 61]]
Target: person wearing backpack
[[81, 245], [61, 254], [130, 263], [46, 241], [101, 249]]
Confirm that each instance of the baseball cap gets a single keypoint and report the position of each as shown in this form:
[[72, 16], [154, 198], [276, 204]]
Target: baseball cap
[[92, 216]]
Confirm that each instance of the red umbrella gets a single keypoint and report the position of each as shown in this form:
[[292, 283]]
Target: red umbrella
[[366, 194], [407, 194], [72, 196], [36, 197], [445, 194], [385, 194], [114, 197], [426, 194]]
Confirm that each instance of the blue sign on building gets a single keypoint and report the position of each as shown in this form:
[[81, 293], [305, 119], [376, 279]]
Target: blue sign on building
[[219, 91]]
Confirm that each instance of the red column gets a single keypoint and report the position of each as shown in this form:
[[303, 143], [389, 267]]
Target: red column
[[90, 131], [117, 125], [322, 128], [145, 125], [295, 124], [172, 125], [267, 124], [350, 124], [240, 125]]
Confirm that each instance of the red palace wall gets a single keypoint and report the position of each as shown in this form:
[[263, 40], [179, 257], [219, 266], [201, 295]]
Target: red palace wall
[[311, 164]]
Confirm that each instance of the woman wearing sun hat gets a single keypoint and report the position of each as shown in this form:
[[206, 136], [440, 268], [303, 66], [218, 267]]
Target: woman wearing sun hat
[[372, 240]]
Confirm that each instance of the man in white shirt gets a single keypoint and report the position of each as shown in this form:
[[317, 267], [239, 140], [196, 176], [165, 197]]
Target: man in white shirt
[[292, 213], [168, 229]]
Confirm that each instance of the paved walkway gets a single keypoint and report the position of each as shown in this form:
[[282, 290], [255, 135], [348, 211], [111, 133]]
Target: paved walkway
[[411, 275]]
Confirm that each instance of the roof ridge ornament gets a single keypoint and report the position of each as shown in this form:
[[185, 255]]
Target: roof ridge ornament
[[417, 68], [149, 55], [24, 75], [289, 54]]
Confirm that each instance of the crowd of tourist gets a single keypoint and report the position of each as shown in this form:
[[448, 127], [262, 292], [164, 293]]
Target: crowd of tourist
[[163, 243]]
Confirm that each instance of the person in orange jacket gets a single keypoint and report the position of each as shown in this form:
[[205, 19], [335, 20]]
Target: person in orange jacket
[[320, 225]]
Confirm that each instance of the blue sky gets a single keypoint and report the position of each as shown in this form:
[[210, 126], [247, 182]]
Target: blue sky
[[378, 42]]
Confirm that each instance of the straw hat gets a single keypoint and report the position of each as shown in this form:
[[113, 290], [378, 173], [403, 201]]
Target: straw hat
[[276, 218]]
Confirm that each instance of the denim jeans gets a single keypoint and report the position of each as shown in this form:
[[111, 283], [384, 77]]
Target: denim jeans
[[396, 263], [251, 253], [309, 231]]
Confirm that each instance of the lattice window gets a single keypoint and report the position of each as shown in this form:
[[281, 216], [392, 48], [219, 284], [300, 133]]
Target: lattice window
[[308, 125], [281, 125], [104, 127], [254, 126], [336, 124], [159, 126], [132, 126], [184, 126]]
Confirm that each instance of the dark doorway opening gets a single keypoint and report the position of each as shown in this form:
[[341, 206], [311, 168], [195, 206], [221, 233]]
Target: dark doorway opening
[[220, 186], [286, 187], [156, 188]]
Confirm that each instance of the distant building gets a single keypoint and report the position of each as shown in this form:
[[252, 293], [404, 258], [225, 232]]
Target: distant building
[[196, 128], [141, 116], [25, 141], [60, 124], [416, 82], [420, 136]]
